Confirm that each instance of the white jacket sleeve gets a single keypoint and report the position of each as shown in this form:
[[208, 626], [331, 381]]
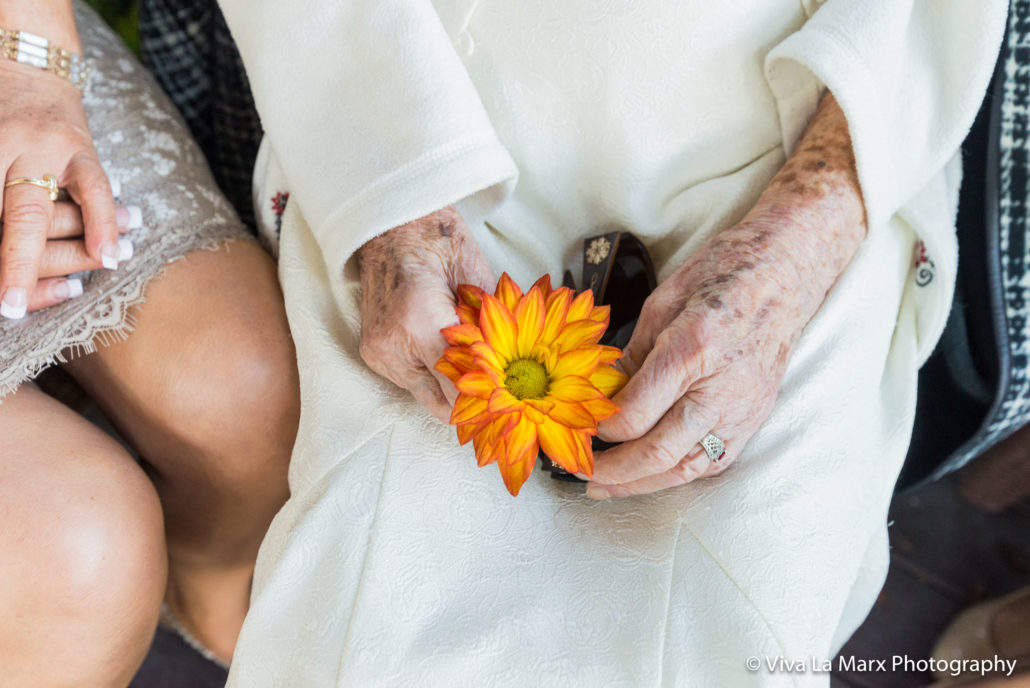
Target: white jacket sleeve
[[369, 112], [909, 75]]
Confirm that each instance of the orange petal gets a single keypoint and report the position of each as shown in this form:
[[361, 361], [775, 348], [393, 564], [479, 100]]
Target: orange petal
[[545, 285], [542, 405], [502, 401], [488, 357], [462, 335], [572, 388], [600, 408], [599, 314], [560, 444], [547, 355], [572, 415], [557, 292], [499, 327], [462, 358], [471, 295], [581, 307], [467, 432], [476, 384], [516, 473], [500, 426], [520, 440], [447, 369], [608, 379], [534, 414], [610, 354], [508, 292], [467, 315], [584, 454], [581, 362], [487, 452], [529, 314], [554, 321], [468, 409], [580, 333]]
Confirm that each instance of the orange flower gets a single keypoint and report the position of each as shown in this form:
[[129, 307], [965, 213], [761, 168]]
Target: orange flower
[[531, 376]]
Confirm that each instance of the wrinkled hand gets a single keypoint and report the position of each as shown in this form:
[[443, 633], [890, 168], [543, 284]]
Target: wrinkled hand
[[43, 130], [713, 341], [707, 355], [409, 277]]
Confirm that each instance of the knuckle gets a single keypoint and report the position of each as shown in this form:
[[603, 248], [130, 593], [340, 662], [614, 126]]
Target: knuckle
[[96, 187], [660, 454], [19, 263], [687, 470], [27, 215]]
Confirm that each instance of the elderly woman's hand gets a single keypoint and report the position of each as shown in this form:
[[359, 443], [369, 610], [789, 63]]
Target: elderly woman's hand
[[43, 130], [713, 341], [409, 277]]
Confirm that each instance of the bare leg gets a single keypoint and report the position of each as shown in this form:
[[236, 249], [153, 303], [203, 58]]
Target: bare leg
[[82, 559], [206, 390]]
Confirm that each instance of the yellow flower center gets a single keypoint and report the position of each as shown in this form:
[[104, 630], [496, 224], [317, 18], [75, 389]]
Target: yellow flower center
[[526, 378]]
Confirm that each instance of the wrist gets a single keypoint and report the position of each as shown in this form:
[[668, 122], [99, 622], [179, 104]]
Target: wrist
[[53, 20], [418, 236]]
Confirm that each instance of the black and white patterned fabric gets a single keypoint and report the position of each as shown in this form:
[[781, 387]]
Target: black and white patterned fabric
[[1008, 243], [187, 45]]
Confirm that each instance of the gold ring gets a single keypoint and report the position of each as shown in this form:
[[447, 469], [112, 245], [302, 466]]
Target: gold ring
[[48, 182]]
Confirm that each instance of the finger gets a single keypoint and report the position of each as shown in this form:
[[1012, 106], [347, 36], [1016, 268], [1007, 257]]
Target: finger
[[50, 292], [68, 220], [88, 186], [659, 450], [447, 388], [655, 315], [28, 214], [686, 470], [63, 257], [695, 465], [427, 392], [669, 369]]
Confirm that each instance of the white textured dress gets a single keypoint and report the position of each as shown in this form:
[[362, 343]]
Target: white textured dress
[[397, 562]]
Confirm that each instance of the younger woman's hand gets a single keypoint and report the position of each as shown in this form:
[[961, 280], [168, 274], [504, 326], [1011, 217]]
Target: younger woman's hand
[[65, 254], [43, 130]]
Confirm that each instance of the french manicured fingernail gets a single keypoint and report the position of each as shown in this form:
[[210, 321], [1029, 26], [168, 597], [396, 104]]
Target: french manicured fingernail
[[125, 250], [16, 301], [597, 492], [68, 289], [109, 255], [128, 216], [116, 187]]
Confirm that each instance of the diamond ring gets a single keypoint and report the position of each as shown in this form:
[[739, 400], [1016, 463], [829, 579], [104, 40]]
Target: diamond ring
[[713, 446]]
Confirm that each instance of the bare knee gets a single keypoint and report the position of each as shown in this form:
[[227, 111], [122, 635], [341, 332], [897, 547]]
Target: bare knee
[[209, 373], [83, 566], [242, 406]]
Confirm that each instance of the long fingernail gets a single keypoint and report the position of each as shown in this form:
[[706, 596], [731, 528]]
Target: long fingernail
[[125, 250], [68, 289], [128, 216], [109, 255], [116, 187], [15, 303], [597, 492]]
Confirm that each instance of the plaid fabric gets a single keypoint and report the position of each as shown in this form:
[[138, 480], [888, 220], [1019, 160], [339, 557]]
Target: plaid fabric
[[187, 45], [1008, 245]]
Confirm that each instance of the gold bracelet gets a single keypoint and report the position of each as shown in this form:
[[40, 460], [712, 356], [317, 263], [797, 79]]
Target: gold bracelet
[[36, 51]]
